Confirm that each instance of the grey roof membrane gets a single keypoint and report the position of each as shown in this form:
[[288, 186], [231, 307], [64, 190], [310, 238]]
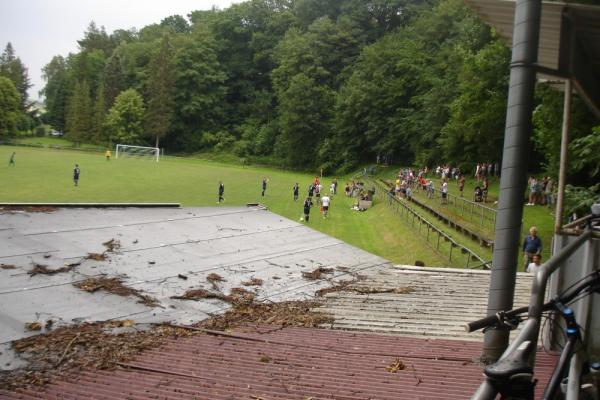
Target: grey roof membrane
[[157, 245]]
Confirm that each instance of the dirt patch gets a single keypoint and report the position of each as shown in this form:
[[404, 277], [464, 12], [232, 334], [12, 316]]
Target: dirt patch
[[317, 273], [40, 269], [69, 349], [289, 313], [115, 286], [253, 282], [399, 290], [7, 266]]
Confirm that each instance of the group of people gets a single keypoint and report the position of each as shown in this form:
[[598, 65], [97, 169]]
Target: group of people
[[315, 189], [541, 191]]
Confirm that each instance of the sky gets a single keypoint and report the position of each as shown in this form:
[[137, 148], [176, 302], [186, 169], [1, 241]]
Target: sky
[[41, 29]]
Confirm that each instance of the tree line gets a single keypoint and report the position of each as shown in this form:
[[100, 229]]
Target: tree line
[[309, 84]]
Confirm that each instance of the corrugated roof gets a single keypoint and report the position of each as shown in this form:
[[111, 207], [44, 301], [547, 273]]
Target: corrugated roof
[[438, 302], [290, 363]]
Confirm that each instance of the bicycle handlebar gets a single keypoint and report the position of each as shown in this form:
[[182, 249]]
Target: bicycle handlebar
[[498, 318]]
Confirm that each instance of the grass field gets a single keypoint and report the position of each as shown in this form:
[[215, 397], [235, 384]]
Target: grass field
[[45, 175]]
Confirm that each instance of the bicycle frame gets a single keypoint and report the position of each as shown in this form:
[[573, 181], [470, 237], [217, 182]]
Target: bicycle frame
[[531, 328]]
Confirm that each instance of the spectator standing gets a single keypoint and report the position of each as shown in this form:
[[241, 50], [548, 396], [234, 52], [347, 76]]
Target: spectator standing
[[461, 185], [535, 264], [532, 245], [533, 191], [11, 162], [445, 192], [484, 190], [549, 192]]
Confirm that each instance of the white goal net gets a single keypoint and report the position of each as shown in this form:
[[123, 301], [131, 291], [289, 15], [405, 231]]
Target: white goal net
[[125, 150]]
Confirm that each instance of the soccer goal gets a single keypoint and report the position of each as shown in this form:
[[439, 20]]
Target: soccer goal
[[125, 150]]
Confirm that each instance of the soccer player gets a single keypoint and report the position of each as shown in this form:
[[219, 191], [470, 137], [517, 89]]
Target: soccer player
[[307, 205], [296, 192], [76, 173], [221, 191], [325, 204], [264, 186], [107, 155], [12, 160]]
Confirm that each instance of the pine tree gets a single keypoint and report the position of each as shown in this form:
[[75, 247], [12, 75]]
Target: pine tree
[[12, 68], [79, 114], [99, 113], [160, 91]]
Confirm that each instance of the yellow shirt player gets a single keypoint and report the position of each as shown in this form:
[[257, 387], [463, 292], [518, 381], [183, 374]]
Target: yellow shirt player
[[107, 155]]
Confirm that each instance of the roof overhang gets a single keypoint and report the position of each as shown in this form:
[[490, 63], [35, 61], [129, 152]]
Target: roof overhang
[[569, 45]]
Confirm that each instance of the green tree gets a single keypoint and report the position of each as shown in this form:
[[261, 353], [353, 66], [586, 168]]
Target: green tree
[[199, 91], [99, 113], [475, 129], [12, 68], [9, 107], [95, 38], [114, 80], [161, 91], [79, 114], [56, 92], [124, 121], [305, 114]]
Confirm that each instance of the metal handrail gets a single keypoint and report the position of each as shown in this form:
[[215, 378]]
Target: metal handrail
[[483, 213], [531, 328], [383, 194]]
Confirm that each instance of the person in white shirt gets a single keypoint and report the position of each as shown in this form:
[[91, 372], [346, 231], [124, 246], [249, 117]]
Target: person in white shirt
[[533, 266], [325, 205]]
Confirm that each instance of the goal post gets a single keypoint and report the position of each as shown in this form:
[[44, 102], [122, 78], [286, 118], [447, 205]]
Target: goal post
[[125, 150]]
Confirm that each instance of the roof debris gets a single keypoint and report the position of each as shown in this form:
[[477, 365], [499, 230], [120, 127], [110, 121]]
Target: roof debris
[[253, 282], [115, 286], [213, 279], [317, 273], [396, 366], [95, 256], [68, 349], [33, 326], [44, 270], [288, 313], [7, 266]]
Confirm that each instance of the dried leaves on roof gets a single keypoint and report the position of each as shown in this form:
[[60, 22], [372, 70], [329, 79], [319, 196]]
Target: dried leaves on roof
[[289, 313], [317, 273], [253, 282], [7, 266], [40, 269], [213, 279], [237, 295], [114, 286], [88, 345]]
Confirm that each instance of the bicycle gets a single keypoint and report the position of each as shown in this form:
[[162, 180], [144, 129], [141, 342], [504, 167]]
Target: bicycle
[[512, 375]]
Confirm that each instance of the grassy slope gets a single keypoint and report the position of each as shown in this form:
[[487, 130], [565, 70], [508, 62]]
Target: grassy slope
[[43, 175]]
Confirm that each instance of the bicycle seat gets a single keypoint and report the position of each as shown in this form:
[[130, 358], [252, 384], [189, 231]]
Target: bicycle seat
[[516, 363]]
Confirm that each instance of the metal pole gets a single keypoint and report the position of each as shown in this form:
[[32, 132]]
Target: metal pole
[[562, 174], [514, 169]]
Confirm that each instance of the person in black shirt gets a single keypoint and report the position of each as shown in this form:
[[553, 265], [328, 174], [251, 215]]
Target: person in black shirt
[[76, 172], [221, 191], [307, 205], [296, 191]]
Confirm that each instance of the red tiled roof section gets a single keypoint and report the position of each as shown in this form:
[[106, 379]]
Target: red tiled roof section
[[291, 363]]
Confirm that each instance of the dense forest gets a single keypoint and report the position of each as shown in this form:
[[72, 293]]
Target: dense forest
[[308, 84]]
